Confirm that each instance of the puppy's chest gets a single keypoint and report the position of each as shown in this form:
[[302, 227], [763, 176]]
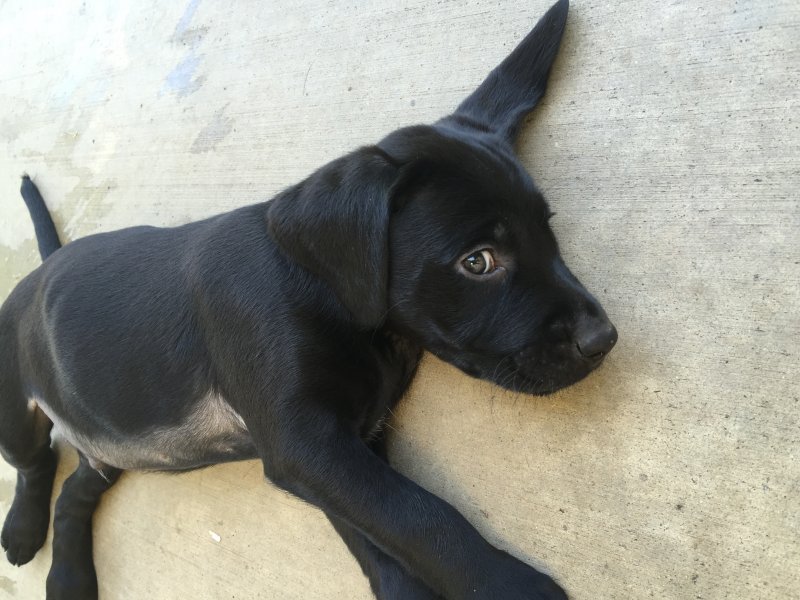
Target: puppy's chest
[[396, 363]]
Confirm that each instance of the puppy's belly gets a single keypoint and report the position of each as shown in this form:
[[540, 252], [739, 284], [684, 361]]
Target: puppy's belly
[[212, 433]]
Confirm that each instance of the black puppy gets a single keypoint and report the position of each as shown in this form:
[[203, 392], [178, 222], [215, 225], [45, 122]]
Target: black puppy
[[287, 330]]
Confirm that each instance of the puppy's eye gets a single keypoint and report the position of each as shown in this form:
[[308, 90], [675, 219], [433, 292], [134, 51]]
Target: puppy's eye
[[480, 262]]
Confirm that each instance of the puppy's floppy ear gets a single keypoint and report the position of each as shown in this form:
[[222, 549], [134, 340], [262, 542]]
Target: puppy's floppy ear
[[335, 224], [514, 87]]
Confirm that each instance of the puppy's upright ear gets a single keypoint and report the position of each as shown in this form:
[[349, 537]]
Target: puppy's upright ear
[[335, 224], [515, 86]]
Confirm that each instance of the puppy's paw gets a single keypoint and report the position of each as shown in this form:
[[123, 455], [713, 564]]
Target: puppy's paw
[[25, 529], [539, 587], [515, 580], [547, 589]]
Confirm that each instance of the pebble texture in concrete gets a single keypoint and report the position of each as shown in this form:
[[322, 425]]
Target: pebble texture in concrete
[[669, 146]]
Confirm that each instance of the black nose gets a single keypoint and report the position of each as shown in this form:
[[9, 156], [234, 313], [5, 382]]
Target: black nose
[[596, 340]]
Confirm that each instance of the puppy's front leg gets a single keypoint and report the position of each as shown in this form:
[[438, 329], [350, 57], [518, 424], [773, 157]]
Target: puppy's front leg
[[326, 464], [389, 579]]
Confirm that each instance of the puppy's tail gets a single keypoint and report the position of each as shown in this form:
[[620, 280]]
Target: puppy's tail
[[46, 234]]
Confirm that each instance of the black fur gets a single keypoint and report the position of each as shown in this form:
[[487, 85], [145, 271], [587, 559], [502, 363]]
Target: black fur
[[287, 331]]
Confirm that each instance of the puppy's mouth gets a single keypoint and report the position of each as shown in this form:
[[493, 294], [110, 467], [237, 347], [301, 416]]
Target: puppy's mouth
[[542, 379], [522, 373]]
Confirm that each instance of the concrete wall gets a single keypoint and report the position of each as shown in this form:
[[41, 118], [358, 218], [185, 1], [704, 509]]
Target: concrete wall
[[669, 146]]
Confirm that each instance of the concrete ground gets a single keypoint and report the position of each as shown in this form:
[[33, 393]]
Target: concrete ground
[[668, 144]]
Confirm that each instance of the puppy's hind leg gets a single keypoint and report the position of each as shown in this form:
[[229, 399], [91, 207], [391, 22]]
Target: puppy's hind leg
[[72, 574], [25, 445]]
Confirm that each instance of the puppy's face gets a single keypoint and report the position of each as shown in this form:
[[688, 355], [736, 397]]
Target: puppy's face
[[439, 233], [475, 271]]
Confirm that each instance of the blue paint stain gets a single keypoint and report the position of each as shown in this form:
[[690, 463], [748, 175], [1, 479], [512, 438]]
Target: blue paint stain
[[188, 13], [180, 79]]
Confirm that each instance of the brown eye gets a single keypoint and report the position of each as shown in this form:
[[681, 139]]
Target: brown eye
[[480, 262]]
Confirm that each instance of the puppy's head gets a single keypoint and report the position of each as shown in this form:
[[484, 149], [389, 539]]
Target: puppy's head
[[438, 232]]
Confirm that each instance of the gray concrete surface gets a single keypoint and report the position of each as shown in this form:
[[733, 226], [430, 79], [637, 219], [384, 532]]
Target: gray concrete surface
[[669, 147]]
